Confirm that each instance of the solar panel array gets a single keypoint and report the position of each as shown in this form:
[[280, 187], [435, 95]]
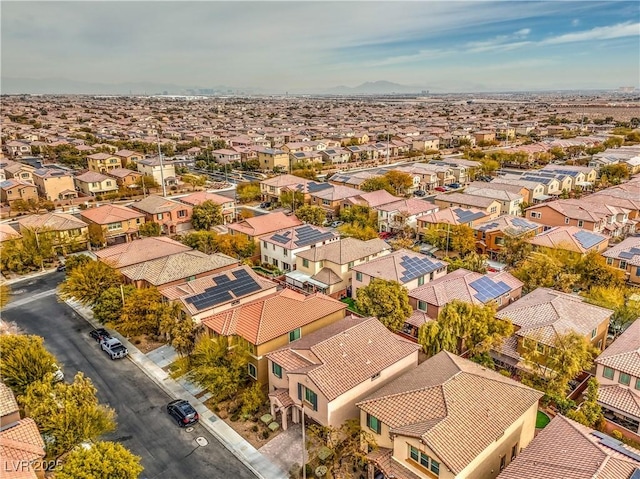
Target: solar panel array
[[415, 266], [282, 238], [313, 187], [489, 226], [629, 254], [522, 223], [586, 239], [242, 284], [465, 216], [616, 445], [487, 289], [309, 235]]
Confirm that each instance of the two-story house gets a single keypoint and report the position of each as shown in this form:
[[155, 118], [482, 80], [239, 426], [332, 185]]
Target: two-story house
[[531, 191], [161, 170], [203, 295], [408, 268], [567, 213], [228, 205], [570, 238], [92, 183], [541, 317], [449, 216], [331, 199], [117, 224], [280, 248], [423, 421], [626, 256], [272, 188], [66, 232], [327, 268], [489, 206], [257, 226], [13, 190], [509, 202], [371, 199], [402, 215], [491, 234], [128, 157], [126, 178], [226, 156], [54, 184], [326, 372], [139, 252], [618, 373], [19, 171], [172, 216], [103, 162], [268, 323], [271, 159]]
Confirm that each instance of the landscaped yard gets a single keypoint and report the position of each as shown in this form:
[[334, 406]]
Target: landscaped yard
[[542, 420], [351, 304]]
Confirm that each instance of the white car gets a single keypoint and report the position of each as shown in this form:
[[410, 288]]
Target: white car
[[58, 375]]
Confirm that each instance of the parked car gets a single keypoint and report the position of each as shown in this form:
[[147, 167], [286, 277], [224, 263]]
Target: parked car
[[335, 224], [61, 267], [183, 412], [385, 235], [265, 204], [419, 193], [114, 348], [100, 334], [440, 188], [454, 185]]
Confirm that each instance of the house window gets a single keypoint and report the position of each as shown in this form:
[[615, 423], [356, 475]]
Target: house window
[[580, 223], [326, 202], [623, 264], [638, 384], [276, 369], [493, 209], [608, 373], [253, 372], [350, 265], [358, 276], [566, 221], [624, 379], [540, 348], [182, 213], [294, 335], [159, 216], [514, 451], [374, 424], [285, 251], [275, 262], [264, 244], [305, 263], [503, 462], [609, 261], [422, 305], [114, 226], [499, 241], [191, 278], [308, 396], [594, 332], [424, 460], [375, 376], [286, 266], [421, 280]]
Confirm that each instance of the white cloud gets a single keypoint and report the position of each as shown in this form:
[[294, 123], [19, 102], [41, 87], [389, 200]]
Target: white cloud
[[620, 30], [575, 22], [523, 33]]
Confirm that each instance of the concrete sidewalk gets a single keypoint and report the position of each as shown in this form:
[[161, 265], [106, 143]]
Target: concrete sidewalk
[[31, 276], [236, 444]]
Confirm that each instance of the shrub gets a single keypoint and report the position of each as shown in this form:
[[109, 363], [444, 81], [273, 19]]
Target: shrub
[[617, 434], [254, 428], [265, 434], [505, 373]]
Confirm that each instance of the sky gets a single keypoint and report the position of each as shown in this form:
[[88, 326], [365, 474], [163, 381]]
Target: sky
[[306, 46]]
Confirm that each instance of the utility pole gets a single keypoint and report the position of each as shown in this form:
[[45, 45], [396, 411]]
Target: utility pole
[[388, 152], [164, 187]]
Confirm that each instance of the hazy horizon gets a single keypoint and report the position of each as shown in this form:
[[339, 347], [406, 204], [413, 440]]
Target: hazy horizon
[[312, 47]]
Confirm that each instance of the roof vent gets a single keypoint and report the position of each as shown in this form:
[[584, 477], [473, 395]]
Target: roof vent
[[344, 355], [369, 342], [368, 362]]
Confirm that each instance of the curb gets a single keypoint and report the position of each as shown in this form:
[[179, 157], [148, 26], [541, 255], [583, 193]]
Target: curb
[[208, 418], [30, 276]]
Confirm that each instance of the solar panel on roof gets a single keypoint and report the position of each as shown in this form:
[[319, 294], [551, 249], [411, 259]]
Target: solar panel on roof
[[626, 255], [487, 289], [414, 267], [587, 239], [521, 223], [488, 227], [616, 445], [242, 284], [634, 251]]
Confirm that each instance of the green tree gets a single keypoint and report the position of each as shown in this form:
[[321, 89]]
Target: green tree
[[594, 271], [615, 173], [222, 371], [252, 399], [101, 460], [150, 228], [204, 241], [248, 192], [342, 450], [67, 414], [108, 307], [292, 199], [360, 216], [74, 261], [147, 182], [451, 238], [24, 361], [557, 362], [590, 412], [5, 294], [87, 282], [353, 230], [463, 326], [206, 215], [376, 183], [472, 262], [515, 249], [544, 270], [194, 180], [31, 252], [308, 173], [97, 237], [386, 300], [143, 312], [619, 299], [399, 181], [314, 215]]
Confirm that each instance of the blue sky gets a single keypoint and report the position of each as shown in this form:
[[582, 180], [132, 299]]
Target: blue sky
[[309, 46]]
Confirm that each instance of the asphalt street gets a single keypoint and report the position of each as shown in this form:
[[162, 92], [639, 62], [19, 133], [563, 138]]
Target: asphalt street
[[144, 426]]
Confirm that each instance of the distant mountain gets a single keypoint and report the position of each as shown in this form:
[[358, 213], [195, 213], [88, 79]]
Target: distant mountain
[[380, 87]]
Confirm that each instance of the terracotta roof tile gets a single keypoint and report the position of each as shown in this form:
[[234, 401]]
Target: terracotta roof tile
[[139, 251], [8, 403], [624, 353], [262, 225], [345, 250], [105, 214], [52, 221]]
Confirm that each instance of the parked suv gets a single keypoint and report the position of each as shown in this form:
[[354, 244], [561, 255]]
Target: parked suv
[[182, 412]]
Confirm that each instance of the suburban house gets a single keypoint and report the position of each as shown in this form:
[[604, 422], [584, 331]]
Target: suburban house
[[403, 214], [326, 372], [271, 159], [118, 224], [372, 199], [228, 205], [280, 249], [566, 449], [408, 268], [331, 199], [268, 323], [618, 373], [13, 190], [92, 183], [177, 268], [64, 230], [162, 171], [140, 251], [19, 171], [489, 206], [509, 202], [128, 157], [626, 256], [7, 233], [225, 156], [254, 228], [272, 188], [490, 234], [542, 316], [449, 216], [531, 191], [126, 178], [567, 213], [428, 300], [425, 422], [173, 216], [570, 238], [17, 148], [327, 268], [21, 445], [201, 296], [335, 155], [54, 184], [103, 162]]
